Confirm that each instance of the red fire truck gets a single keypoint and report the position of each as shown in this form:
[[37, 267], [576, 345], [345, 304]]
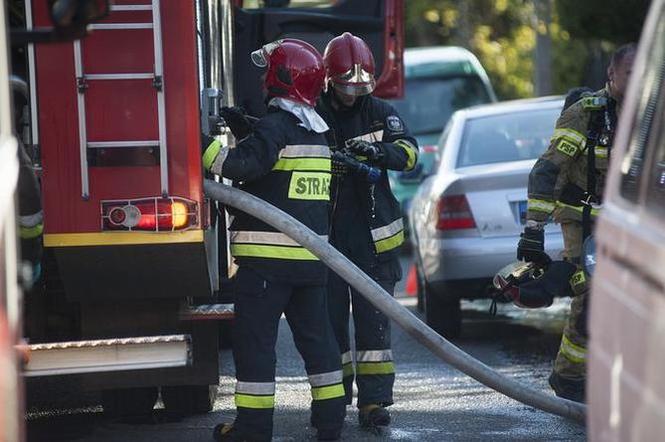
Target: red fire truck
[[135, 255]]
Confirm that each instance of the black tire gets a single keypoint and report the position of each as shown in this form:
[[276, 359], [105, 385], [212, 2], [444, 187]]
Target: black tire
[[187, 400], [443, 315], [129, 402]]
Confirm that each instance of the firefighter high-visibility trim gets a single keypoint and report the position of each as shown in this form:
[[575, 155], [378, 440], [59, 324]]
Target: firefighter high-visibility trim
[[270, 238], [346, 357], [389, 243], [211, 153], [272, 252], [371, 137], [121, 238], [411, 153], [578, 278], [307, 164], [368, 368], [31, 220], [575, 137], [327, 392], [374, 356], [566, 147], [255, 388], [578, 209], [310, 186], [574, 353], [347, 369], [304, 150], [540, 205], [387, 231], [325, 379], [601, 152], [257, 402], [31, 232]]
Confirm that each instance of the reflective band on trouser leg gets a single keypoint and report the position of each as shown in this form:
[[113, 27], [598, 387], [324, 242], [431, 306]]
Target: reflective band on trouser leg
[[257, 395], [574, 353], [411, 153], [31, 232], [370, 362], [388, 237], [326, 385]]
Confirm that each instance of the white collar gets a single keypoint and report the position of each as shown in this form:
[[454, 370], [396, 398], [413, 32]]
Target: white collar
[[307, 115]]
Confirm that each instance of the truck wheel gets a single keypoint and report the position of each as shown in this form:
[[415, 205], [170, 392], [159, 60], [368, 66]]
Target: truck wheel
[[129, 402], [186, 400], [443, 315]]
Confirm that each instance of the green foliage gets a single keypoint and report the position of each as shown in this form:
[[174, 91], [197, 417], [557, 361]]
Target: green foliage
[[616, 21]]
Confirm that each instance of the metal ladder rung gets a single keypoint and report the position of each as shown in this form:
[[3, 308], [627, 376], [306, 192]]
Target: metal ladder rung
[[119, 26], [124, 76], [131, 8], [111, 144]]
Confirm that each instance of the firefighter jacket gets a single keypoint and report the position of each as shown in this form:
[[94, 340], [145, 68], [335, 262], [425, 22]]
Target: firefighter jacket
[[558, 180], [31, 225], [289, 167], [375, 207]]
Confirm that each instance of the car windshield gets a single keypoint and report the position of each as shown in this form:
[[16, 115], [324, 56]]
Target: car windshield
[[429, 102], [510, 136]]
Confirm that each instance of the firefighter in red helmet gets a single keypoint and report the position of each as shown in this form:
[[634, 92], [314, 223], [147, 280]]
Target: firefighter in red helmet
[[285, 161], [366, 221]]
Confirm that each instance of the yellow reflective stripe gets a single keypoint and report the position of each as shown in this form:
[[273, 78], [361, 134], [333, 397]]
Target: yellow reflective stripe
[[372, 137], [328, 392], [540, 205], [389, 243], [211, 153], [601, 152], [579, 209], [31, 232], [322, 164], [411, 153], [347, 369], [273, 252], [310, 186], [387, 231], [251, 401], [574, 353], [365, 368], [571, 135], [578, 278]]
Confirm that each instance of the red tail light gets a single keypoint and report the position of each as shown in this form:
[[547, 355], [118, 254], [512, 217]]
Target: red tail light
[[454, 213], [149, 214]]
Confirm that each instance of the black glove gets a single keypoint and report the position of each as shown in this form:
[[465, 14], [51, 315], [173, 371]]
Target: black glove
[[373, 152], [531, 247], [236, 119]]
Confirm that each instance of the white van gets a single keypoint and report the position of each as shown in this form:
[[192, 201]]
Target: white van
[[626, 388]]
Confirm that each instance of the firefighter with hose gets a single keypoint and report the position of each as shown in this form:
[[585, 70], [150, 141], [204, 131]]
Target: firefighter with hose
[[283, 159], [366, 221]]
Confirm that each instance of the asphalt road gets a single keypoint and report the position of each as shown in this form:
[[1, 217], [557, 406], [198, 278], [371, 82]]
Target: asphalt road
[[433, 402]]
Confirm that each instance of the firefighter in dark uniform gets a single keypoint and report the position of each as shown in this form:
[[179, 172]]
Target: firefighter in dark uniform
[[366, 221], [285, 161], [567, 183]]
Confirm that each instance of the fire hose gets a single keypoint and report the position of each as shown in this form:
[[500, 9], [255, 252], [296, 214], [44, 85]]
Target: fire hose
[[375, 294]]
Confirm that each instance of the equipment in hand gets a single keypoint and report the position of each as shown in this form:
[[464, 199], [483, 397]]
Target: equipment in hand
[[531, 247], [371, 174], [237, 120], [364, 148]]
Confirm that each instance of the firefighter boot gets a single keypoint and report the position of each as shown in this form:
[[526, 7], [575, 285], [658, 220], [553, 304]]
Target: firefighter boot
[[572, 389], [373, 416], [228, 433]]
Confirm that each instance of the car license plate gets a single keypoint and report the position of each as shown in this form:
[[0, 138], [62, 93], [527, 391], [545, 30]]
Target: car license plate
[[522, 212]]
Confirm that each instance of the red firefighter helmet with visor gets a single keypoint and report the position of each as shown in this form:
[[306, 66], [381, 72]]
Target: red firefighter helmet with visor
[[295, 70], [350, 65]]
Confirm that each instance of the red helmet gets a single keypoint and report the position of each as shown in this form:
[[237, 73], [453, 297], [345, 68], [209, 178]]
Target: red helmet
[[295, 70], [350, 65]]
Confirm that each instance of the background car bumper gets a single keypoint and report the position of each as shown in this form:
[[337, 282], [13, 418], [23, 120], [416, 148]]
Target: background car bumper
[[475, 260]]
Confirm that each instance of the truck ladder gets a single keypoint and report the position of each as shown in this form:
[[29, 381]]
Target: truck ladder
[[83, 82]]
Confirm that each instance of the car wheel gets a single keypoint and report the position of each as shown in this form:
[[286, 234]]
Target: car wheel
[[186, 400], [443, 315], [129, 402]]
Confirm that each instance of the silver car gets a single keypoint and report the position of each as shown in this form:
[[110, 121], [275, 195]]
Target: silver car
[[466, 218]]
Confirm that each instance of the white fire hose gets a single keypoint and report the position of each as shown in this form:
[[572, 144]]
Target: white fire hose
[[373, 292]]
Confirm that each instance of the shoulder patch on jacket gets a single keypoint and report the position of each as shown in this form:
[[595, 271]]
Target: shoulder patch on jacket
[[394, 123], [567, 148]]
